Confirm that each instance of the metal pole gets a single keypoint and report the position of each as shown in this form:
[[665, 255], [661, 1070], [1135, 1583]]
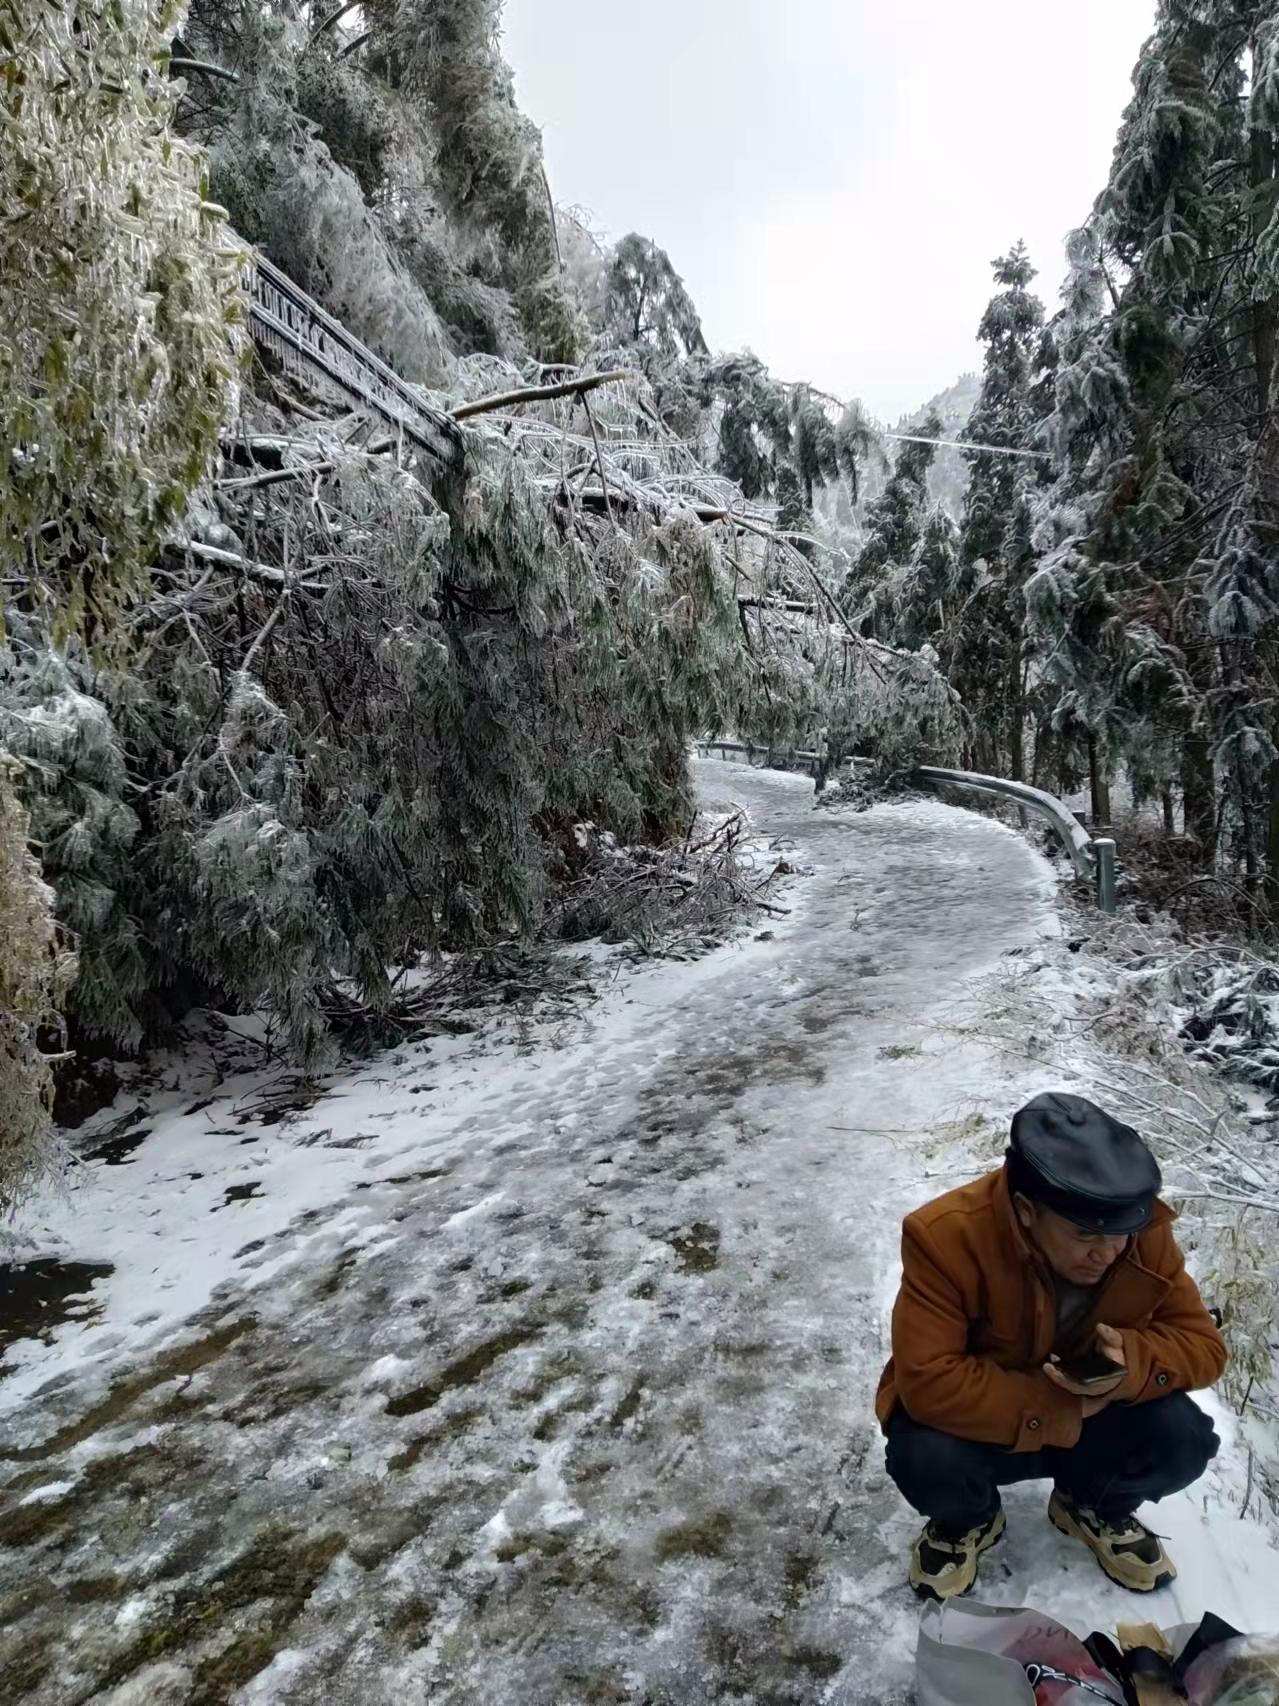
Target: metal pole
[[1104, 852]]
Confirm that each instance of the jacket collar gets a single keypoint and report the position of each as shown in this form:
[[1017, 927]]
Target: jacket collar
[[1013, 1231]]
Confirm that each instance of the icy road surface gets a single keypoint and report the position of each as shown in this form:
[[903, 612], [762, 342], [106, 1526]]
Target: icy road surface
[[538, 1371]]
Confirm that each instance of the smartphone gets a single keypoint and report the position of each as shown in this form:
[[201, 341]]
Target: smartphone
[[1089, 1368]]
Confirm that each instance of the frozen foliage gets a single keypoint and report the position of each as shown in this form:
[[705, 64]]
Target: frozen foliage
[[1153, 605], [35, 969], [646, 302], [1234, 1023], [361, 722], [1114, 600], [882, 592], [272, 165], [1163, 1008], [119, 305], [377, 156], [355, 710], [120, 337], [488, 155], [984, 648], [777, 440], [920, 581], [676, 901]]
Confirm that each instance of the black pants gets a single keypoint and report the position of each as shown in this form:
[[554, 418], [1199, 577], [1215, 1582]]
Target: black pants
[[1126, 1454]]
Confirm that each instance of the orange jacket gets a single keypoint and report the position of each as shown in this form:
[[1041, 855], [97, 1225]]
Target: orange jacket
[[975, 1320]]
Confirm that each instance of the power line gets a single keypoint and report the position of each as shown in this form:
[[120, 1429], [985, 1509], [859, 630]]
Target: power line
[[961, 444]]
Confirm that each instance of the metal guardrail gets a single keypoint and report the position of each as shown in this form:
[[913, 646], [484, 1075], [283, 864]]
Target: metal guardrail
[[309, 341], [791, 756], [1092, 857]]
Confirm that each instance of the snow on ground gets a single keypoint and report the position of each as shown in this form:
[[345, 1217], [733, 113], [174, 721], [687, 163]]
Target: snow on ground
[[537, 1367]]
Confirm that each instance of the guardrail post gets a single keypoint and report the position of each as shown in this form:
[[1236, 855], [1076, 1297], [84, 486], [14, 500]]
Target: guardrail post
[[1104, 852]]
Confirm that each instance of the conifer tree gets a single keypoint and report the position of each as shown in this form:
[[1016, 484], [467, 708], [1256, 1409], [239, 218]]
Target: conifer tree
[[895, 521], [929, 588], [782, 441], [984, 649], [1069, 618], [1157, 544], [646, 303], [891, 591]]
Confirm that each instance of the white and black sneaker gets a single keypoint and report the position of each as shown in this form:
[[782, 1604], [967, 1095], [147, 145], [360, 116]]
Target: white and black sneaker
[[943, 1564], [1126, 1549]]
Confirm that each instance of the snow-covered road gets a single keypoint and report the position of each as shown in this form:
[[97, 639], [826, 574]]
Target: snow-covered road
[[555, 1387]]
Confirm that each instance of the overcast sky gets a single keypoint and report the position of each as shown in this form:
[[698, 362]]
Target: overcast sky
[[832, 178]]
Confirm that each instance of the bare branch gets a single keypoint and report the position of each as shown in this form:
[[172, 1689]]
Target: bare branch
[[275, 476], [539, 393], [262, 572]]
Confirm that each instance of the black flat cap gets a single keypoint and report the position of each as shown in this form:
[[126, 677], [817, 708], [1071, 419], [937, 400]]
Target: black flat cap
[[1071, 1156]]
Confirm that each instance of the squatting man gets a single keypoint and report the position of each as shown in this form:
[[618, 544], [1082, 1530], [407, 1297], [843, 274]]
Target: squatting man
[[1046, 1329]]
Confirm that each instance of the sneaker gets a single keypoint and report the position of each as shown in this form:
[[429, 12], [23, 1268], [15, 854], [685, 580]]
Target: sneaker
[[1125, 1548], [943, 1564]]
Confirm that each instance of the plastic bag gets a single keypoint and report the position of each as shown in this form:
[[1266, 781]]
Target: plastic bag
[[1242, 1672], [971, 1654]]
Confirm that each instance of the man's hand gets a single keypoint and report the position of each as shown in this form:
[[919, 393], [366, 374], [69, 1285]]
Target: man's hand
[[1111, 1344], [1097, 1394]]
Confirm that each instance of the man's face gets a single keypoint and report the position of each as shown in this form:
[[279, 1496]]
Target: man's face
[[1080, 1257]]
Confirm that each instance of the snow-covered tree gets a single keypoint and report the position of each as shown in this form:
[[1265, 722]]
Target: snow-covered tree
[[357, 713], [1069, 622], [929, 588], [646, 303], [1154, 602], [119, 306], [983, 647], [894, 527], [35, 969], [782, 441], [487, 154], [948, 476]]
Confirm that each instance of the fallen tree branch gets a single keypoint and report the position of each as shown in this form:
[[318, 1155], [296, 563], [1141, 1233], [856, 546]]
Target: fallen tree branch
[[274, 477], [1261, 1203], [229, 560], [203, 66], [327, 24], [538, 393], [593, 498], [256, 450], [270, 451], [858, 641], [599, 460]]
